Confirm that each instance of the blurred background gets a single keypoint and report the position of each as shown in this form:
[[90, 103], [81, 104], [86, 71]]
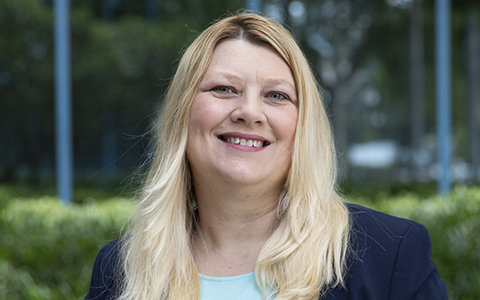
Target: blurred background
[[375, 60]]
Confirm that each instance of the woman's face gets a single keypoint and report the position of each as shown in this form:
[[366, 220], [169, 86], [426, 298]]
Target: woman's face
[[243, 118]]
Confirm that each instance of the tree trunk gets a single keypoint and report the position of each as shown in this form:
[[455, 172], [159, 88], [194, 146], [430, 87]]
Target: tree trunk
[[417, 92], [109, 144], [473, 74]]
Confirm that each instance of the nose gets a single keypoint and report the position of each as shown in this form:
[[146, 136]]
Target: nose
[[249, 110]]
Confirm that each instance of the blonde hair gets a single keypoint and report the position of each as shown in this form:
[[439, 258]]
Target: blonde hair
[[307, 251]]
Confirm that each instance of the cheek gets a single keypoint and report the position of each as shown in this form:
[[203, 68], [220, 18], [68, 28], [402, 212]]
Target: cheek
[[205, 114], [205, 117], [199, 119], [287, 125], [197, 112]]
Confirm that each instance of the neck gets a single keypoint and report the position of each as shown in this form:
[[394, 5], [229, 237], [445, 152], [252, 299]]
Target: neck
[[234, 224]]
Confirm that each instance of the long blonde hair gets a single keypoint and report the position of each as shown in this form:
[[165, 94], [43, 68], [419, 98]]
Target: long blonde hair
[[306, 253]]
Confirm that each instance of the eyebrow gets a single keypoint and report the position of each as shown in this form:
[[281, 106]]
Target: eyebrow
[[232, 76], [222, 73], [274, 82]]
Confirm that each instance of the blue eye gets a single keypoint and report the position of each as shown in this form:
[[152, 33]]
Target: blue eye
[[222, 89], [278, 96]]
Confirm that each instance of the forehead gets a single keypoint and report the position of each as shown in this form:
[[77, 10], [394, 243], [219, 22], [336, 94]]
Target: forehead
[[238, 47], [242, 57]]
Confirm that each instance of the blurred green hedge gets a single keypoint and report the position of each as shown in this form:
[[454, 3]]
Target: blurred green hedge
[[47, 249], [454, 226]]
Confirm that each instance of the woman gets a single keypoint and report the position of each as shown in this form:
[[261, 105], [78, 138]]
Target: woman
[[240, 201]]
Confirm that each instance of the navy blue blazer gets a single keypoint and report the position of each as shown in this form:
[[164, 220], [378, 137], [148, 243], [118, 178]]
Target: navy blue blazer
[[390, 261]]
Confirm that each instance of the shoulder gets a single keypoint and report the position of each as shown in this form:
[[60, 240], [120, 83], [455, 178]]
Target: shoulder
[[364, 218], [381, 233], [390, 258], [377, 238], [106, 272]]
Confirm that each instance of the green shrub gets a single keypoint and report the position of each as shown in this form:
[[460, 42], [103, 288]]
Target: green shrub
[[47, 249], [100, 190], [374, 190], [454, 226]]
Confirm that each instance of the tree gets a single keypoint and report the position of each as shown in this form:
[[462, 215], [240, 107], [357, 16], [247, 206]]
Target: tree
[[120, 72], [26, 90]]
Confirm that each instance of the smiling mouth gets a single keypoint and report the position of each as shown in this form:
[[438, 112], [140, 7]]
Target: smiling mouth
[[243, 142]]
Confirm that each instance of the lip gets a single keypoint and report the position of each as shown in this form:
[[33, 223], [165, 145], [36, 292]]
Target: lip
[[244, 136]]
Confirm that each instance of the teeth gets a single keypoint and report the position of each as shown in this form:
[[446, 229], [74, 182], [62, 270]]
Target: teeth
[[244, 142]]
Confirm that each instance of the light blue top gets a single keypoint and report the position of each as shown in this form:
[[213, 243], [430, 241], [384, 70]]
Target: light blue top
[[241, 287]]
